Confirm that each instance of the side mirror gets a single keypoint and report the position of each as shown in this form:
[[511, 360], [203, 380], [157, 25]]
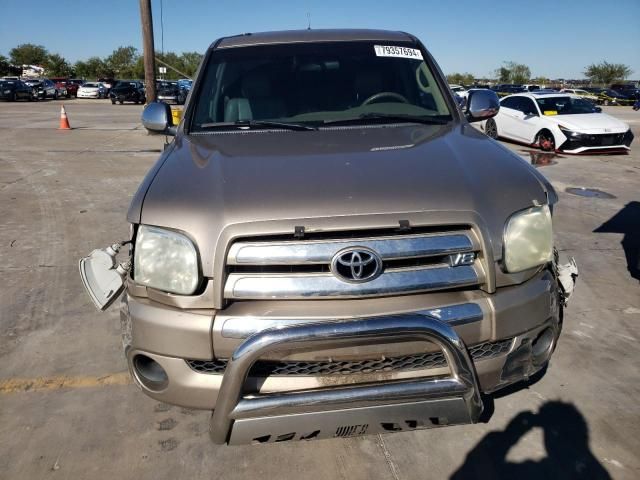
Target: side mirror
[[157, 118], [481, 105]]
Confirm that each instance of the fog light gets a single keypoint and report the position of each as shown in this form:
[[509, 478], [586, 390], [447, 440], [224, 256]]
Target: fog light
[[150, 373], [542, 346]]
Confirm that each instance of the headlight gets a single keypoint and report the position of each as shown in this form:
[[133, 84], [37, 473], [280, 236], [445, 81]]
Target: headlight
[[165, 260], [528, 239], [7, 91]]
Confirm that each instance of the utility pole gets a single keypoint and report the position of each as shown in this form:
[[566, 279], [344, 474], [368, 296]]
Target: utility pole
[[148, 50]]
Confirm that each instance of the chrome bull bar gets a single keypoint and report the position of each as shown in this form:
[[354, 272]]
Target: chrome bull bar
[[346, 410]]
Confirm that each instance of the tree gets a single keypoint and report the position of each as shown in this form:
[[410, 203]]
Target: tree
[[503, 74], [122, 61], [191, 62], [28, 54], [512, 72], [460, 79], [4, 65], [93, 67], [56, 66], [606, 73]]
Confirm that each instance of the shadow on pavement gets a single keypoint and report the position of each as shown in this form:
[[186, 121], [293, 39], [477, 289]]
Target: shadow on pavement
[[627, 222], [566, 440]]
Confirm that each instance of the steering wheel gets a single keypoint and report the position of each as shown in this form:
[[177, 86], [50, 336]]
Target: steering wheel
[[380, 95]]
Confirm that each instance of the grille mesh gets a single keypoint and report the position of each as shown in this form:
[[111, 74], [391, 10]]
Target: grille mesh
[[422, 361]]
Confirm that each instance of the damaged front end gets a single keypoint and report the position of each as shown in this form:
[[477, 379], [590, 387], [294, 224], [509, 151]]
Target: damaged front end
[[102, 276]]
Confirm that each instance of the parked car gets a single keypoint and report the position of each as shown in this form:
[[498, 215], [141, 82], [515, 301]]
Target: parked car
[[629, 90], [610, 97], [46, 88], [70, 87], [169, 91], [326, 250], [92, 90], [13, 90], [185, 84], [107, 82], [580, 93], [127, 91], [458, 90], [507, 89], [558, 122], [531, 87]]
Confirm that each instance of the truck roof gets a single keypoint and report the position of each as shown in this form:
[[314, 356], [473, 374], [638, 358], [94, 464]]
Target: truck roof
[[302, 36]]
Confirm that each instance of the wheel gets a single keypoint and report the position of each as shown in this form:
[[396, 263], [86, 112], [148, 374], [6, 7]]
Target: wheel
[[491, 129], [546, 142], [68, 94], [113, 102], [55, 95], [121, 102]]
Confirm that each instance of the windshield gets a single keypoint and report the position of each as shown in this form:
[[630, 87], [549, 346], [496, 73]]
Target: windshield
[[317, 83], [565, 106]]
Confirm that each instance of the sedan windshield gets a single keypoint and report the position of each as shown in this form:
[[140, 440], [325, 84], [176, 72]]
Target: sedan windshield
[[319, 83], [565, 106]]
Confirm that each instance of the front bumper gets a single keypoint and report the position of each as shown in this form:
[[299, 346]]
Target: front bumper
[[174, 338], [584, 142]]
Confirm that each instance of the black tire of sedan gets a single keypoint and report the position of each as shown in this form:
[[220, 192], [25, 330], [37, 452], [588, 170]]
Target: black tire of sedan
[[546, 142], [491, 129], [55, 95], [113, 102]]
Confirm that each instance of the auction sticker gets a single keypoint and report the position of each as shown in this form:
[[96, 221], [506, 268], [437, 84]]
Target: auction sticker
[[399, 52]]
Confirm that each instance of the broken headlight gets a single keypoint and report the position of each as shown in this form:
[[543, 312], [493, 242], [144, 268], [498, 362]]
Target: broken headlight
[[528, 239], [165, 260]]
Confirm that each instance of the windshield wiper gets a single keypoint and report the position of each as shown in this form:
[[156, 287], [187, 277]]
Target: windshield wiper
[[392, 117], [259, 123]]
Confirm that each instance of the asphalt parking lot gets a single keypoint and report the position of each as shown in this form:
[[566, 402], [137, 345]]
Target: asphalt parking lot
[[69, 410]]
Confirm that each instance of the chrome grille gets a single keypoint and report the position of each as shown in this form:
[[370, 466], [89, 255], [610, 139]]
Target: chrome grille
[[299, 269], [422, 361]]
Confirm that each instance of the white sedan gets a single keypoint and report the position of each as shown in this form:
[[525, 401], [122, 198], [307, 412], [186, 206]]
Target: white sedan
[[555, 121], [459, 90], [92, 90]]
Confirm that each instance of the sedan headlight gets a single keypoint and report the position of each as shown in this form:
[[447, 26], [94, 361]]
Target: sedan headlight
[[7, 91], [165, 260], [528, 239]]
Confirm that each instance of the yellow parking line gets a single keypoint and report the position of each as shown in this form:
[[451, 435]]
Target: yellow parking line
[[17, 385]]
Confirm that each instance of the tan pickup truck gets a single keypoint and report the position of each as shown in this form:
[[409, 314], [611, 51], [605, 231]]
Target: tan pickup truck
[[328, 248]]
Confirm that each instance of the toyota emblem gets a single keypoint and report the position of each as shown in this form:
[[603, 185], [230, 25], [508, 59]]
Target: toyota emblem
[[356, 265]]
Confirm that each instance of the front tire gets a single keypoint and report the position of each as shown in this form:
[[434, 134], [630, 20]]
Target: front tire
[[55, 95], [491, 129], [545, 141]]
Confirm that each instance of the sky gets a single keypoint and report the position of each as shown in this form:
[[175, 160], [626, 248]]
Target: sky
[[556, 39]]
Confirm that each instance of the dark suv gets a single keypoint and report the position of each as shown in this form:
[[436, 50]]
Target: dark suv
[[127, 91], [328, 248]]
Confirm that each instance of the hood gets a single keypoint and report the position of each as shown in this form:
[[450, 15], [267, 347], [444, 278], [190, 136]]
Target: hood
[[341, 178], [590, 123]]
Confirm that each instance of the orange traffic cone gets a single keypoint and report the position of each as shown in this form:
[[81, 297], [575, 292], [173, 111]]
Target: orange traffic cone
[[64, 121]]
